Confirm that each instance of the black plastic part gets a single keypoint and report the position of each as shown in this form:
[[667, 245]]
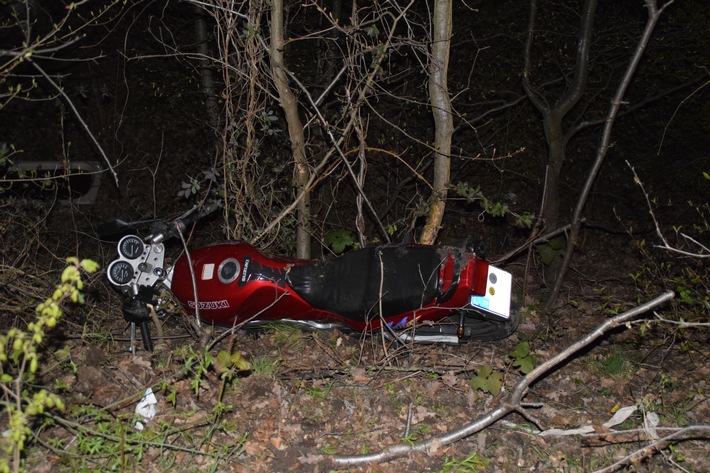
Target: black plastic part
[[135, 311], [113, 228], [145, 336], [475, 246], [486, 330]]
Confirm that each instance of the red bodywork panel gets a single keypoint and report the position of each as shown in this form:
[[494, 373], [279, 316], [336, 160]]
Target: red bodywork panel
[[235, 282]]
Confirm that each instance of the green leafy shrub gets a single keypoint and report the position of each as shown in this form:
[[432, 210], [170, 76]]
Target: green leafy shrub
[[20, 352], [491, 207]]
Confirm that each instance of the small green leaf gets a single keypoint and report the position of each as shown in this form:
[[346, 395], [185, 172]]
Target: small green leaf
[[495, 383], [546, 253], [485, 371], [90, 266], [522, 349], [526, 365], [240, 361], [171, 397], [487, 380], [223, 362], [339, 239], [521, 357]]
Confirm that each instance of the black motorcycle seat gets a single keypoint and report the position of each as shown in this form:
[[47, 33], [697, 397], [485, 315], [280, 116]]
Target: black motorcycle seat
[[353, 284]]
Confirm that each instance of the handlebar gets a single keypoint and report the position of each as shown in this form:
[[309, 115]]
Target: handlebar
[[195, 214], [162, 230]]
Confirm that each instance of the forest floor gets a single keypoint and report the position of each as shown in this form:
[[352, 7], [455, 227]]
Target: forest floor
[[312, 395]]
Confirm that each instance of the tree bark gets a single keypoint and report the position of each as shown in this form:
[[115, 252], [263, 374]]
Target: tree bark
[[443, 119], [295, 130], [206, 77], [554, 113]]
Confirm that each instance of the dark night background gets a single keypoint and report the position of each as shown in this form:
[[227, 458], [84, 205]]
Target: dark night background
[[145, 106]]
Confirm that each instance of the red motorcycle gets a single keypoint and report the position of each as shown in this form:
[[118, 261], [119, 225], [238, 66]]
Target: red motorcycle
[[419, 293]]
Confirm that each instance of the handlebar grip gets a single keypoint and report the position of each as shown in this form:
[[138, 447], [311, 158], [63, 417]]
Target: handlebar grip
[[145, 336], [195, 215]]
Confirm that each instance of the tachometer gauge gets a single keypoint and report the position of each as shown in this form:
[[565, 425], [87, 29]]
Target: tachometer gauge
[[120, 272], [131, 247]]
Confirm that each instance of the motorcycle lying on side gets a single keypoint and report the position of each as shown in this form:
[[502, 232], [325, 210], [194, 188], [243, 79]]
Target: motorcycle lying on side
[[414, 293]]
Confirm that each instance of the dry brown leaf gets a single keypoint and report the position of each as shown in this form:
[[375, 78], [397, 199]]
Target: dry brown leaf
[[360, 376], [608, 382], [450, 379], [278, 443], [253, 448]]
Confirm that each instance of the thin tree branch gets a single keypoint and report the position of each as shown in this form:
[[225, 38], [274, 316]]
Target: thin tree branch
[[78, 117], [590, 123], [665, 129], [339, 150], [367, 86], [30, 51], [533, 241], [666, 245], [537, 99], [581, 68], [512, 404]]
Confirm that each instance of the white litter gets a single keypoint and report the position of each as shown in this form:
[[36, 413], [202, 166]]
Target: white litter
[[619, 416], [146, 408], [650, 422]]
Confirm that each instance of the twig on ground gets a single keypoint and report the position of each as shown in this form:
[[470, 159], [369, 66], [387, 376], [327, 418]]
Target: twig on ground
[[659, 444], [514, 402]]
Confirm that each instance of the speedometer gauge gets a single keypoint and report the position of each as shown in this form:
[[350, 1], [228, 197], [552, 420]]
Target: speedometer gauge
[[131, 247], [120, 272]]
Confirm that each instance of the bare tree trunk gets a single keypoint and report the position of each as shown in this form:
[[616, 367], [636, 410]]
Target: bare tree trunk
[[295, 130], [443, 120], [206, 77], [654, 14], [553, 114]]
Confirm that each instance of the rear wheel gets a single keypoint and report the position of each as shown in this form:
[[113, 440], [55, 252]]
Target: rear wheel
[[476, 328], [483, 330]]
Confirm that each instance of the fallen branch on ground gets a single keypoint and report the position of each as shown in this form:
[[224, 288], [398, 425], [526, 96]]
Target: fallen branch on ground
[[513, 403], [660, 444]]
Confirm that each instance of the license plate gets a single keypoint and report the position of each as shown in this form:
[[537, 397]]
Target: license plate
[[498, 289]]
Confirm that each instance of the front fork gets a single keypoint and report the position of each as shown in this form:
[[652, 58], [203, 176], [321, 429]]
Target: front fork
[[137, 313]]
